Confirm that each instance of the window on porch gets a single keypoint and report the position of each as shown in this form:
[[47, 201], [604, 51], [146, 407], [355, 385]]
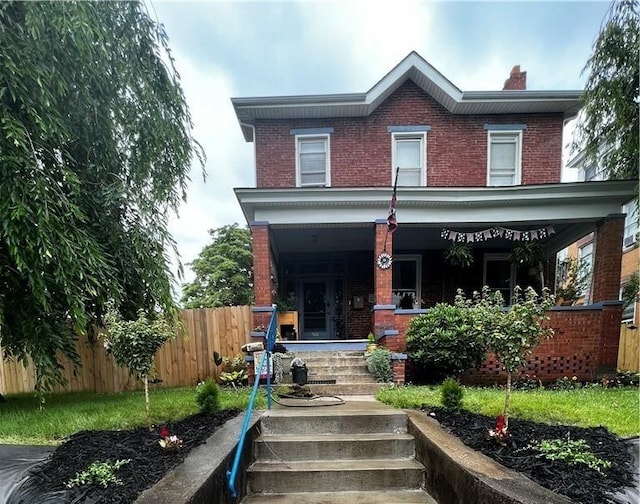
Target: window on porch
[[585, 256], [406, 288], [499, 274], [631, 224]]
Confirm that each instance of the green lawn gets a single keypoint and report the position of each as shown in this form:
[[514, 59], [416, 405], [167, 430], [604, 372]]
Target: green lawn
[[21, 422], [616, 409]]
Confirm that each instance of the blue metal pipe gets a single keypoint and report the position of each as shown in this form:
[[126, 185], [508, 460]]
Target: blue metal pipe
[[271, 337]]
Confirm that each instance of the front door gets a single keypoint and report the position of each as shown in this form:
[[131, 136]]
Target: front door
[[322, 307], [315, 310]]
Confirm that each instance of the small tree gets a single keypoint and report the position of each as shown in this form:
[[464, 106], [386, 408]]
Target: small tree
[[134, 343], [514, 333]]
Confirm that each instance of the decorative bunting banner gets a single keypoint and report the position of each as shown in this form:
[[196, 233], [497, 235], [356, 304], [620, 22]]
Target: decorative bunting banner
[[497, 232]]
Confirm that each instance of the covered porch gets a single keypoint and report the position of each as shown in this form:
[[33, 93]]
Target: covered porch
[[321, 252]]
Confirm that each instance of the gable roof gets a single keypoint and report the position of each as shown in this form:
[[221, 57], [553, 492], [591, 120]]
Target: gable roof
[[425, 76]]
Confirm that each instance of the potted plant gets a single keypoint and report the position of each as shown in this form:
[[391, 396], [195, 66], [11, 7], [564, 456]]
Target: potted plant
[[459, 254], [372, 345], [529, 254]]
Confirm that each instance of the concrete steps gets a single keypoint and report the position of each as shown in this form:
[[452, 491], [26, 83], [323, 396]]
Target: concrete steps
[[355, 453], [348, 369]]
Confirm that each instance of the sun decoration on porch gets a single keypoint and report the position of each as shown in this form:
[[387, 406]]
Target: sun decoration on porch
[[384, 261]]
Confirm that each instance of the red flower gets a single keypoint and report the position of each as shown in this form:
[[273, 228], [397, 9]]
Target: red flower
[[164, 432], [500, 425]]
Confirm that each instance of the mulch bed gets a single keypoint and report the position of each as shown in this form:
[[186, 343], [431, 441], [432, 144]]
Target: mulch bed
[[149, 462], [577, 482]]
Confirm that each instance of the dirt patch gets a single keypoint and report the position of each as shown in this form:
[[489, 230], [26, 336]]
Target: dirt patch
[[149, 461], [578, 482]]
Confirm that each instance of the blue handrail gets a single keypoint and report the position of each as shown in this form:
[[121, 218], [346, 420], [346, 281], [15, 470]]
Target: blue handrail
[[271, 340]]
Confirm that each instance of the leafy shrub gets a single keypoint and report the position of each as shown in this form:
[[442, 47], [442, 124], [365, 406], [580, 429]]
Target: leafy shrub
[[527, 382], [102, 473], [571, 452], [446, 340], [566, 383], [451, 394], [238, 363], [208, 396], [379, 364]]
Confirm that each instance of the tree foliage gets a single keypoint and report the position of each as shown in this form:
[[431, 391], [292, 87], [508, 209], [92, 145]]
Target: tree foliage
[[223, 269], [95, 148], [513, 334], [609, 130], [133, 344]]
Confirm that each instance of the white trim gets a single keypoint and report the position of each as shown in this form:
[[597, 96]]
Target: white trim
[[422, 136], [417, 258], [551, 203], [517, 134], [327, 175]]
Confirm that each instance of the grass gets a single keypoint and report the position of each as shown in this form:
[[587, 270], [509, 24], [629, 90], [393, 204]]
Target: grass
[[21, 422], [617, 409]]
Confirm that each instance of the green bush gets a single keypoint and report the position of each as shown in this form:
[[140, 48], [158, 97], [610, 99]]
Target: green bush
[[451, 394], [379, 364], [208, 396], [447, 340]]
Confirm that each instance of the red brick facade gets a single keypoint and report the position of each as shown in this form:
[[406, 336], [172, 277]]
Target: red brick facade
[[456, 145]]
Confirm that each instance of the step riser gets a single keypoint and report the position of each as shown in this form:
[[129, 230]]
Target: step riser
[[281, 449], [340, 362], [319, 424], [286, 481]]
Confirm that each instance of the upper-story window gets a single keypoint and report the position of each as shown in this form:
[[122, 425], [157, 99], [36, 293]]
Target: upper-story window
[[504, 154], [631, 224], [408, 149], [313, 165]]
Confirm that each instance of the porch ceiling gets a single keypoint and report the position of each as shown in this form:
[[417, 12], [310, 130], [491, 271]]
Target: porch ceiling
[[408, 237]]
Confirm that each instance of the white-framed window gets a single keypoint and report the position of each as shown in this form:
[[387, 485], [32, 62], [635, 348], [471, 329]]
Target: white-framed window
[[313, 167], [585, 256], [628, 312], [631, 223], [406, 280], [498, 273], [504, 158], [409, 155]]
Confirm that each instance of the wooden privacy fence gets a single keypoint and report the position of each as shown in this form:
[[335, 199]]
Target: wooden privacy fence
[[629, 349], [182, 361]]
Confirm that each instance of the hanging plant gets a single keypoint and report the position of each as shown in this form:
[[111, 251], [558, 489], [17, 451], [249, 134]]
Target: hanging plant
[[459, 254], [527, 253]]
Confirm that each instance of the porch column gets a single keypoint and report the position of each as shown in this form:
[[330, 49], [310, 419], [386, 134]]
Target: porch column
[[384, 309], [382, 277], [608, 259], [261, 272], [606, 288]]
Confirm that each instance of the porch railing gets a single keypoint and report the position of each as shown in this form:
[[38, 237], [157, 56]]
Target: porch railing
[[271, 339]]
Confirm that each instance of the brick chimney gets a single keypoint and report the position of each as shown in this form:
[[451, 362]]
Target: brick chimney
[[517, 80]]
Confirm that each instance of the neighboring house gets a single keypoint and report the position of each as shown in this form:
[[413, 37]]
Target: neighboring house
[[480, 166], [583, 248]]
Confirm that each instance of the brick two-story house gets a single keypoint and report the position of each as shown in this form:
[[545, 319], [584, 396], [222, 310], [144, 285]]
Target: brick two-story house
[[481, 167]]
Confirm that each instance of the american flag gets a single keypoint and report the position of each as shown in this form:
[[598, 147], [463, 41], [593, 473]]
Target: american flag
[[392, 219]]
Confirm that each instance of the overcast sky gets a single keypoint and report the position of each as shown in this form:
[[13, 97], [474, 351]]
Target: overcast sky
[[240, 49]]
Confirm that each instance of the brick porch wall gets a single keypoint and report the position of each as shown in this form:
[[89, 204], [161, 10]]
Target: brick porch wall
[[585, 345]]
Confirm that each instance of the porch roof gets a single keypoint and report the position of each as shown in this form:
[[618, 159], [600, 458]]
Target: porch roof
[[573, 208]]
